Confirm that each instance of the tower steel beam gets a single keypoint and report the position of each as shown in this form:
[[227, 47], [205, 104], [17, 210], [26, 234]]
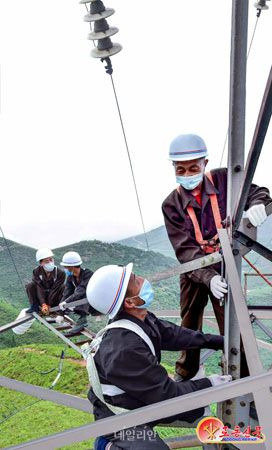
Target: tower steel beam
[[255, 150], [256, 384], [263, 398], [235, 176]]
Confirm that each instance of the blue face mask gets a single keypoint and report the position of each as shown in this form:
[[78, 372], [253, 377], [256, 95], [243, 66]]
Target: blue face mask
[[146, 294], [49, 267], [190, 183], [68, 272]]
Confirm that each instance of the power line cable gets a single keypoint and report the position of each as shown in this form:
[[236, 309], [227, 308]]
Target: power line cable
[[12, 259], [130, 161], [109, 71]]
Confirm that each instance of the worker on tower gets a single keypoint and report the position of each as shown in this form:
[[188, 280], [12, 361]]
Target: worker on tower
[[193, 212], [47, 285], [127, 357], [75, 289]]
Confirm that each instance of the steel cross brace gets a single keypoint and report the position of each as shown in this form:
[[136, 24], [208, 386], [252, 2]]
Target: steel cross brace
[[252, 244], [263, 327], [256, 384], [263, 400], [49, 395]]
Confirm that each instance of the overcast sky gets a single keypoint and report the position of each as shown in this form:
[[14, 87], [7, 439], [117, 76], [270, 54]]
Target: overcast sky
[[65, 172]]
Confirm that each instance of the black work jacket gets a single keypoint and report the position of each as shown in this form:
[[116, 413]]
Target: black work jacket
[[45, 283], [126, 361], [179, 225], [76, 289]]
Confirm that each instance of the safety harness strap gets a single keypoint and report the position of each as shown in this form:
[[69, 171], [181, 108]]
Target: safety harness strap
[[105, 389], [215, 206], [209, 246]]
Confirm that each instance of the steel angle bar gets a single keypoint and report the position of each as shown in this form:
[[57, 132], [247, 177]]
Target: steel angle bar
[[245, 240], [205, 355], [263, 327], [255, 150], [198, 263], [15, 323], [249, 341], [70, 401], [236, 141], [261, 312], [57, 333], [243, 446], [152, 412], [251, 232], [83, 301], [263, 400], [183, 441]]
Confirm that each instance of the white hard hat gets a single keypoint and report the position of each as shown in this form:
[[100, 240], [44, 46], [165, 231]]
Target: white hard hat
[[107, 288], [43, 253], [71, 259], [187, 147]]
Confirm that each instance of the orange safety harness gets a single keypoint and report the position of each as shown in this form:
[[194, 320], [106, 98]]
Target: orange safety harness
[[211, 245]]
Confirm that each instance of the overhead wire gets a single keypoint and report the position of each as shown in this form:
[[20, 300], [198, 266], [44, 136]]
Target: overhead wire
[[12, 259], [127, 149], [130, 161]]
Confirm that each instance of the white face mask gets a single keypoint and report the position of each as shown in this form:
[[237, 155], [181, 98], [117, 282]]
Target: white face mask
[[49, 267]]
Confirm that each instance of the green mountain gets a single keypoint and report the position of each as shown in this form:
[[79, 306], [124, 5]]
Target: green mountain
[[94, 255], [157, 241], [259, 291]]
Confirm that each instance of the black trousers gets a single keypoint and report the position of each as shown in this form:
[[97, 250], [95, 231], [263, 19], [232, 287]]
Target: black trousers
[[52, 296], [193, 299]]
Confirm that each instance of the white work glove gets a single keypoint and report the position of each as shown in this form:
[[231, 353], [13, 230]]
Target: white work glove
[[256, 215], [218, 287], [217, 380], [59, 319], [63, 306]]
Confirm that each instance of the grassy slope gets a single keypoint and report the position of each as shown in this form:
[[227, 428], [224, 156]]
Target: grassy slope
[[42, 418]]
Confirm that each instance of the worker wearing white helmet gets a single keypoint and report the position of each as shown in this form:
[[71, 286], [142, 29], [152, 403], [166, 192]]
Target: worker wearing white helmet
[[193, 212], [47, 285], [75, 289], [128, 354]]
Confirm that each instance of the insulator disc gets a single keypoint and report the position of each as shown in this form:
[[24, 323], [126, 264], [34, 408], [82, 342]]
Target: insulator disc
[[103, 15], [83, 2], [102, 34], [116, 48]]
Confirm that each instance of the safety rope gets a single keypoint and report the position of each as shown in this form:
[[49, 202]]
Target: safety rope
[[52, 385], [257, 271], [47, 372], [248, 53]]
